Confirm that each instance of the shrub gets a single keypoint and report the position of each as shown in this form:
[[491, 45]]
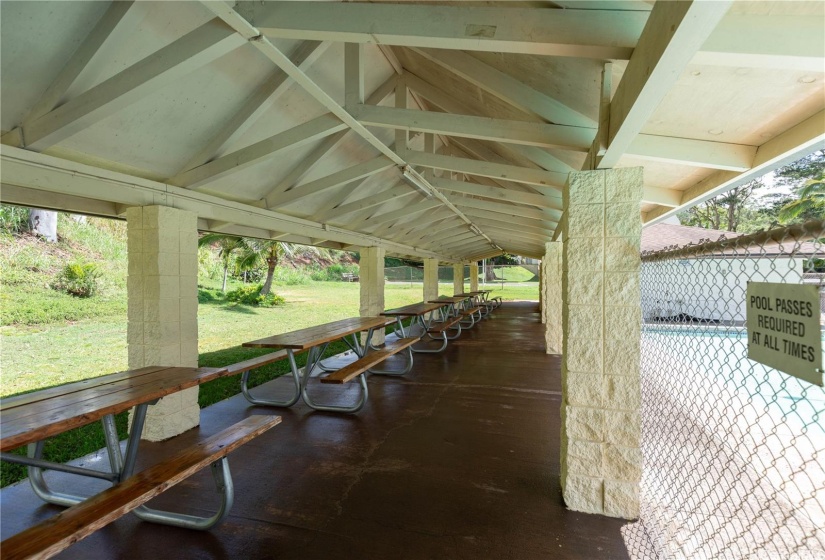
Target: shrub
[[13, 219], [333, 272], [251, 295], [78, 279], [290, 276]]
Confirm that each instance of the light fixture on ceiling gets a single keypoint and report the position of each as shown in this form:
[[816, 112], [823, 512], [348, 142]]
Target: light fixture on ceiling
[[475, 229], [416, 181]]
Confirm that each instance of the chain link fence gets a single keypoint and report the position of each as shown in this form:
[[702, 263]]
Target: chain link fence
[[733, 451], [487, 274]]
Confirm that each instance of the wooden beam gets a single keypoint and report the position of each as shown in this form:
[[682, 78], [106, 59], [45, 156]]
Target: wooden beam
[[501, 214], [521, 225], [488, 169], [79, 60], [515, 234], [358, 171], [483, 128], [49, 174], [597, 34], [698, 153], [510, 209], [258, 103], [317, 128], [665, 197], [192, 51], [786, 42], [496, 193], [353, 75], [379, 219], [366, 202], [297, 173], [672, 35], [506, 87]]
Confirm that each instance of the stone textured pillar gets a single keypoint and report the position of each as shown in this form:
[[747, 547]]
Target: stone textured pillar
[[600, 457], [162, 287], [541, 292], [430, 280], [551, 307], [474, 277], [458, 278], [371, 274]]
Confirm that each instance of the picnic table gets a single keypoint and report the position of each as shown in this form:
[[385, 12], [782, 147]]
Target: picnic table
[[31, 418], [424, 315], [316, 339]]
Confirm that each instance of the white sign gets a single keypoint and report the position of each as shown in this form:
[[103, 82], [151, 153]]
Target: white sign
[[783, 328]]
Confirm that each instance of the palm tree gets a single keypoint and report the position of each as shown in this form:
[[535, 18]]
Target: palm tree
[[268, 252], [811, 203], [227, 245]]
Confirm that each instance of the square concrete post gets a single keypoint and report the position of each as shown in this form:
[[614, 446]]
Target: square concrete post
[[600, 457], [474, 277], [162, 288], [551, 300], [430, 280], [371, 274], [458, 278]]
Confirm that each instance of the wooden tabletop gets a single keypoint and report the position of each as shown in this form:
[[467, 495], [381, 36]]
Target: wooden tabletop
[[35, 416], [320, 334], [415, 309], [468, 295], [447, 299]]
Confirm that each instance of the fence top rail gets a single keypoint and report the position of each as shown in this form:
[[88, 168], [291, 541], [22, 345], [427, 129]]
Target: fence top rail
[[797, 234]]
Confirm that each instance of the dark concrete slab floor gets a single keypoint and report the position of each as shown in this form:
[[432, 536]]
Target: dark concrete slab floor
[[458, 459]]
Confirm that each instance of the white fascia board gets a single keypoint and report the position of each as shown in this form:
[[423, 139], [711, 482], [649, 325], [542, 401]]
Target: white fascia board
[[41, 172]]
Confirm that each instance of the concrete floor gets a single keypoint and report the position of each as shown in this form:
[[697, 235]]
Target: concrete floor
[[459, 459]]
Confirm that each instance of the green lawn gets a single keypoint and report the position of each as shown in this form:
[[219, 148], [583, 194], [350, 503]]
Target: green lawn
[[45, 355]]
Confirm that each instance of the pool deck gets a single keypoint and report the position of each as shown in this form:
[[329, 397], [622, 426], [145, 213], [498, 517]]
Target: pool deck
[[458, 459]]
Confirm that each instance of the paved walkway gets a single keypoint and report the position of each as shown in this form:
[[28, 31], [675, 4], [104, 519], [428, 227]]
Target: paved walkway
[[458, 460]]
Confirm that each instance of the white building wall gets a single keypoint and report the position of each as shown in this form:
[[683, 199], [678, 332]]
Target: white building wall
[[709, 288]]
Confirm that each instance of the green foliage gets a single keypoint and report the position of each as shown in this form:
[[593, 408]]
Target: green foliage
[[251, 295], [78, 279], [13, 219], [333, 272], [288, 276], [813, 265], [811, 203]]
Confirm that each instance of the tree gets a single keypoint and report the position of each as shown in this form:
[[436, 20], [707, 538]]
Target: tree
[[810, 204], [44, 224], [267, 252], [805, 176], [724, 212], [227, 245]]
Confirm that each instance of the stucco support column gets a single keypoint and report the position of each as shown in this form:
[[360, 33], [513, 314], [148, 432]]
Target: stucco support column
[[162, 288], [371, 274], [430, 280], [600, 457], [458, 278], [551, 300], [474, 277]]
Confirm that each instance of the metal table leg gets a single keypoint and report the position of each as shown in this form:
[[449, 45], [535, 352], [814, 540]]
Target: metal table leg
[[312, 361], [296, 393]]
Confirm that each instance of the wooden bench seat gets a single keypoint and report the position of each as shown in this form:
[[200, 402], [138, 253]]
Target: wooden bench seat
[[254, 363], [439, 328], [470, 311], [79, 521], [353, 370]]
